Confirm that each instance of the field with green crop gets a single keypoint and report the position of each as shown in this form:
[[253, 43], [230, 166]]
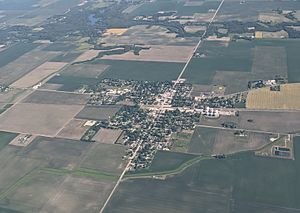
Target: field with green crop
[[240, 183], [141, 70]]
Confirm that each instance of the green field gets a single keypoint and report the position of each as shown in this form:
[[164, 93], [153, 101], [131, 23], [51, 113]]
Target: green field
[[141, 70], [240, 183], [6, 138], [66, 57], [151, 8], [72, 83], [237, 56], [12, 53]]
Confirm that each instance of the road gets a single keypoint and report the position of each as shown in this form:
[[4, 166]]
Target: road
[[120, 178], [199, 43], [181, 73]]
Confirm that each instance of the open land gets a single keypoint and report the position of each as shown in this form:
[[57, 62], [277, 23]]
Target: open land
[[98, 112], [40, 119], [73, 130], [236, 184], [287, 98], [141, 70], [53, 97], [219, 141], [38, 74], [157, 53], [85, 70], [109, 136]]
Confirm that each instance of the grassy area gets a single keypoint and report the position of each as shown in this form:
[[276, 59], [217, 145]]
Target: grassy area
[[181, 141], [141, 70], [203, 140], [6, 138], [240, 183]]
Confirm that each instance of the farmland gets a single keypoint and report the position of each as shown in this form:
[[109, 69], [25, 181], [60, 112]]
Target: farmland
[[287, 98], [236, 184], [98, 112], [140, 70]]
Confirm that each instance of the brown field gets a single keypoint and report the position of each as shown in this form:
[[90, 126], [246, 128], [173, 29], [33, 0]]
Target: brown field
[[79, 195], [194, 28], [87, 55], [277, 34], [273, 17], [73, 130], [54, 97], [109, 136], [37, 119], [103, 112], [38, 74], [157, 53], [24, 64], [115, 31], [287, 98]]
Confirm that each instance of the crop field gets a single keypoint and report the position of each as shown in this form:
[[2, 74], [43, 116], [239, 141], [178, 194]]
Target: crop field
[[46, 176], [87, 55], [40, 119], [157, 53], [84, 70], [151, 8], [53, 97], [141, 70], [106, 158], [75, 129], [153, 35], [23, 65], [60, 47], [216, 56], [287, 98], [12, 53], [240, 183], [108, 136], [231, 10], [98, 112], [216, 141], [38, 74], [66, 57], [6, 138], [70, 83], [270, 121]]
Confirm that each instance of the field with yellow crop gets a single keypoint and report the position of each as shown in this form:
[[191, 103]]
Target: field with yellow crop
[[287, 98]]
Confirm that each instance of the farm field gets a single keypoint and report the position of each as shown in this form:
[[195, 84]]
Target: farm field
[[12, 53], [244, 61], [6, 138], [53, 97], [40, 119], [151, 8], [269, 121], [84, 70], [141, 70], [210, 141], [75, 129], [239, 183], [107, 136], [148, 35], [47, 175], [38, 74], [287, 98], [98, 112], [24, 64], [157, 53]]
